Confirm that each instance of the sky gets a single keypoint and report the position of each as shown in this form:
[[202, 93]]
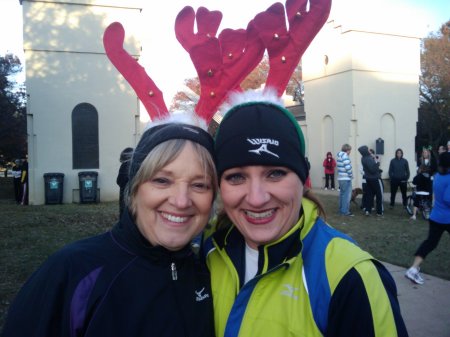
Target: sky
[[162, 54]]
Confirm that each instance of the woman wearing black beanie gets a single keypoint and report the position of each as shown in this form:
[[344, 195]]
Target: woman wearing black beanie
[[277, 268], [142, 277]]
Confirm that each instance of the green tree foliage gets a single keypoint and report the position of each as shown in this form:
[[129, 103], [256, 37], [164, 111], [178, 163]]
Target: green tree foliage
[[434, 112], [13, 130]]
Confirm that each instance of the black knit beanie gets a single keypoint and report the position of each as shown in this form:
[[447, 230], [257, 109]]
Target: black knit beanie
[[444, 161], [164, 132], [260, 133]]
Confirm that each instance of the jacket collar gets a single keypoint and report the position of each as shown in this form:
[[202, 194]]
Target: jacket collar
[[273, 254], [127, 235]]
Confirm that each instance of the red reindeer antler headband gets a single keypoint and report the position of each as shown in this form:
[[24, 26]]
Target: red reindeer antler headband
[[145, 88], [285, 48], [223, 62]]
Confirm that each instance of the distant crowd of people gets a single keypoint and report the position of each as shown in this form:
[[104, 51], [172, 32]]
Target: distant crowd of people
[[431, 183], [372, 184]]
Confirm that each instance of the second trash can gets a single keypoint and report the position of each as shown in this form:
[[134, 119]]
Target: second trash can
[[54, 188], [88, 186]]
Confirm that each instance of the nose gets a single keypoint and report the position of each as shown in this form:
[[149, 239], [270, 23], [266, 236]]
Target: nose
[[257, 194], [181, 197]]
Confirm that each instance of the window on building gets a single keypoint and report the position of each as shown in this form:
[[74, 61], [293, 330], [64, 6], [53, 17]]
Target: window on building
[[85, 153]]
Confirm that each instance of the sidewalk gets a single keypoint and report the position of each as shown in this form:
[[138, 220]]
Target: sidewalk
[[425, 308]]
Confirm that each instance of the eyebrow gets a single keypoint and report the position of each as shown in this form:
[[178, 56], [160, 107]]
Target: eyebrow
[[205, 175]]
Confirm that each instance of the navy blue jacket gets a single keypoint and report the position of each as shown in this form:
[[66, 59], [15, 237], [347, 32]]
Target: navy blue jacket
[[370, 166], [115, 284]]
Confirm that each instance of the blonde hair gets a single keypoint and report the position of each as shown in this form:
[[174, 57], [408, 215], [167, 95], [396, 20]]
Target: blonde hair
[[346, 147], [162, 155]]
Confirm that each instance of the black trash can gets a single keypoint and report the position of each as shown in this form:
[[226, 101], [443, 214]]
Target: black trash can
[[54, 188], [88, 186]]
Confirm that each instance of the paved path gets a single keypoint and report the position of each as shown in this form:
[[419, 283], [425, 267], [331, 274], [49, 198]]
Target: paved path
[[425, 308]]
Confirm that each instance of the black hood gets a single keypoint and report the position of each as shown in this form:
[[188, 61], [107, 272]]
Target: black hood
[[364, 150], [395, 154]]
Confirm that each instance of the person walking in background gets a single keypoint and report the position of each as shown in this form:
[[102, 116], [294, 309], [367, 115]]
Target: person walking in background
[[372, 175], [17, 177], [345, 176], [329, 164], [24, 181], [122, 176], [424, 188], [439, 218], [398, 175]]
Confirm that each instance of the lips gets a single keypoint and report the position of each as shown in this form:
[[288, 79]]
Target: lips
[[260, 217], [174, 218]]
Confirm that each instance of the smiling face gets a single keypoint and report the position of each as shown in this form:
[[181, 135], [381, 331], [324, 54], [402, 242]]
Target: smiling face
[[262, 201], [174, 204]]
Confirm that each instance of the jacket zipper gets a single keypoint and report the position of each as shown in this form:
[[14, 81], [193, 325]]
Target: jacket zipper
[[173, 267]]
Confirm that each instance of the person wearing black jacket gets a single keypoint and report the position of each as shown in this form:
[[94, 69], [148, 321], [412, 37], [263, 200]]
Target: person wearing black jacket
[[122, 176], [372, 175], [427, 158], [141, 278], [24, 181], [17, 176], [399, 175]]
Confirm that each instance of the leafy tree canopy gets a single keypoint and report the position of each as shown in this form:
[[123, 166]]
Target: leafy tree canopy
[[12, 110], [434, 112]]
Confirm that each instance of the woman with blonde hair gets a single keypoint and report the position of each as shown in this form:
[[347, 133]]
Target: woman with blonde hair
[[141, 278]]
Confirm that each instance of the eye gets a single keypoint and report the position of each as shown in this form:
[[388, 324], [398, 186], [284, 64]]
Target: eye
[[201, 186], [234, 178], [277, 174], [161, 181]]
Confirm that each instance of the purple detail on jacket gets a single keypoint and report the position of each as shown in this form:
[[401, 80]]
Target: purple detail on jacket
[[80, 301]]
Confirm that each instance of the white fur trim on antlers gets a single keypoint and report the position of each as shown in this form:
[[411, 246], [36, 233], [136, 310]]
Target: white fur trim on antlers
[[269, 95]]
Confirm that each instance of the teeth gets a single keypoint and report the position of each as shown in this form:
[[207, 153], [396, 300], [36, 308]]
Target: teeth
[[174, 218], [260, 215]]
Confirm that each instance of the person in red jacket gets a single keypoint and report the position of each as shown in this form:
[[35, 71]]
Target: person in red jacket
[[329, 164]]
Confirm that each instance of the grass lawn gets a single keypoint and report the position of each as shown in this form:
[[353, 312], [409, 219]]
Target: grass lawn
[[30, 233]]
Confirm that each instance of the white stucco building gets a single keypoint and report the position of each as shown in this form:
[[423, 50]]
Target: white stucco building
[[361, 83], [81, 111]]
